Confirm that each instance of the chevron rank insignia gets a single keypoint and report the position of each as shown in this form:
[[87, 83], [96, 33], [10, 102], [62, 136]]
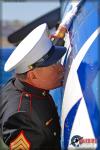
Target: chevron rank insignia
[[20, 143]]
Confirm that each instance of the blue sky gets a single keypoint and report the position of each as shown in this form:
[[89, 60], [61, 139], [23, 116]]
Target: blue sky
[[26, 11]]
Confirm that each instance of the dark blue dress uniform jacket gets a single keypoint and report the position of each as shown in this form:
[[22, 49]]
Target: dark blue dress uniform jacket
[[28, 118]]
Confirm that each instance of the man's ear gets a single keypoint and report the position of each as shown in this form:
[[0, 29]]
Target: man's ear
[[31, 75]]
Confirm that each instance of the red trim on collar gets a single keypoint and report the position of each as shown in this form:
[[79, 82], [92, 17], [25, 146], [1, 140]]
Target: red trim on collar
[[29, 93], [42, 90]]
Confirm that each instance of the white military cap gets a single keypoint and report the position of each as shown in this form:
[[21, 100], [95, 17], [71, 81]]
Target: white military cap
[[36, 50]]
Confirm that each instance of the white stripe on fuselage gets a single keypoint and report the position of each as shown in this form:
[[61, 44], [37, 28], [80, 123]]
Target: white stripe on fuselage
[[73, 91]]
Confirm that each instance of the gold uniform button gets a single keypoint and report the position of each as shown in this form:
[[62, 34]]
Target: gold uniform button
[[49, 121], [44, 93], [54, 133], [26, 95]]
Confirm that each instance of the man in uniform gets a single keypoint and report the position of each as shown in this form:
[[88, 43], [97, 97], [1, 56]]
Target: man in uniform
[[28, 115]]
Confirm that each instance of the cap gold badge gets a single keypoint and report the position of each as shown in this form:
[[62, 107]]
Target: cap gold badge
[[49, 121]]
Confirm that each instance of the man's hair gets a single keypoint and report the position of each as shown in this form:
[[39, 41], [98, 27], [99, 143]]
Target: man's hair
[[21, 76]]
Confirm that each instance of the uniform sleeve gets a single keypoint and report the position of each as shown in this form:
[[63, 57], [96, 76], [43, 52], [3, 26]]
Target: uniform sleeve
[[21, 132]]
